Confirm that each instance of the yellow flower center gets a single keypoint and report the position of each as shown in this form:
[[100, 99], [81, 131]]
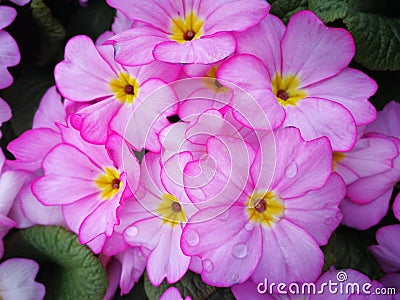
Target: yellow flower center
[[108, 183], [211, 82], [170, 210], [287, 90], [183, 30], [336, 157], [265, 208], [125, 88]]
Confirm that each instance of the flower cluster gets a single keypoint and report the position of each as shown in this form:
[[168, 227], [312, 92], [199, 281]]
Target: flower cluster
[[205, 136]]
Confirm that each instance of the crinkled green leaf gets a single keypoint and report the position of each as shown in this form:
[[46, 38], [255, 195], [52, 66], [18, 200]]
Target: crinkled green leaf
[[190, 285], [24, 96], [348, 249], [285, 8], [68, 269], [377, 37], [52, 32]]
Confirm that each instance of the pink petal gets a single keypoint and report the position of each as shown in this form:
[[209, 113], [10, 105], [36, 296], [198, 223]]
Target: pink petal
[[9, 56], [155, 70], [231, 15], [153, 12], [352, 277], [124, 159], [248, 290], [140, 40], [121, 22], [172, 175], [363, 216], [167, 259], [20, 2], [133, 265], [319, 117], [7, 16], [317, 212], [37, 212], [291, 166], [197, 97], [31, 147], [253, 102], [392, 280], [98, 153], [11, 183], [205, 50], [263, 41], [50, 111], [387, 252], [18, 279], [95, 120], [171, 293], [351, 88], [387, 120], [370, 156], [308, 42], [76, 213], [96, 245], [101, 220], [5, 77], [228, 251], [5, 112], [69, 181], [113, 274], [157, 101], [367, 189], [215, 180], [289, 255], [84, 75], [396, 207]]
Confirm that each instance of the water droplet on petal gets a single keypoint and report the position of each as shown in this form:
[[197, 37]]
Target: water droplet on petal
[[132, 231], [192, 238], [224, 216], [239, 251], [249, 226], [291, 170], [208, 266]]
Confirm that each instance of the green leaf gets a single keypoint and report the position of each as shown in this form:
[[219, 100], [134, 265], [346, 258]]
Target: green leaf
[[68, 269], [285, 8], [24, 96], [348, 249], [52, 33], [377, 37], [190, 285]]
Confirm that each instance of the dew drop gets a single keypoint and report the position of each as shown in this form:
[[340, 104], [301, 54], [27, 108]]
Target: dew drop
[[208, 266], [249, 226], [132, 231], [192, 238], [239, 251], [291, 170]]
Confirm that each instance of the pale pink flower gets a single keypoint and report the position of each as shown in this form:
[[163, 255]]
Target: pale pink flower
[[184, 31]]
